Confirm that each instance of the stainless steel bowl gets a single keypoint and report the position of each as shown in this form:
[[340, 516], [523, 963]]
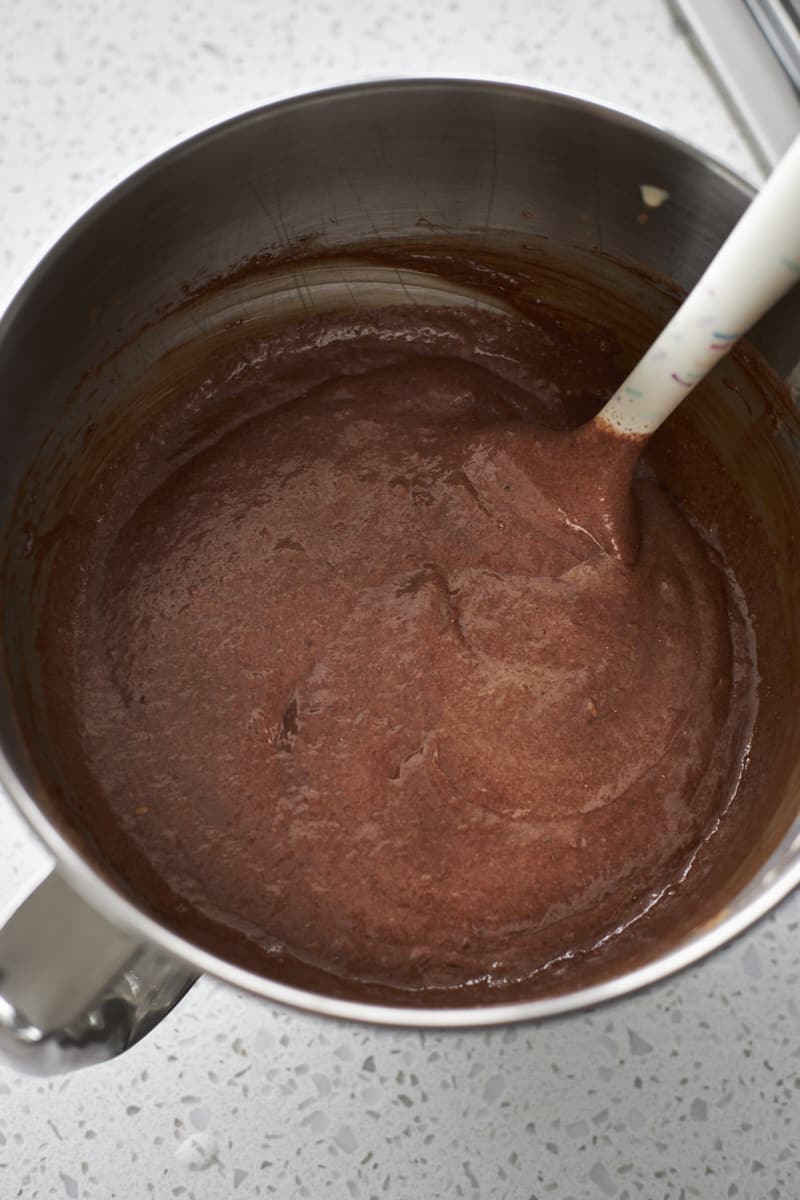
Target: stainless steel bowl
[[84, 972]]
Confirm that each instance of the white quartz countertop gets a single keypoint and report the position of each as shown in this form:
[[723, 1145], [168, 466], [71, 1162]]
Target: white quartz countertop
[[690, 1090]]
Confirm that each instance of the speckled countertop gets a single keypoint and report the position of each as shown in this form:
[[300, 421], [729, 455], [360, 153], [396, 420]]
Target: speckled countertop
[[692, 1090]]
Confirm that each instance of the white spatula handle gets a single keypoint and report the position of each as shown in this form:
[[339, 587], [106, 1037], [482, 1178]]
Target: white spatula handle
[[758, 263]]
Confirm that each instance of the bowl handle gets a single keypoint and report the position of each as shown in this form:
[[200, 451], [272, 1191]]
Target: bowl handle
[[75, 989]]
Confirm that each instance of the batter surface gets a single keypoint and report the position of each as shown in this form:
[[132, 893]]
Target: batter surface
[[334, 675]]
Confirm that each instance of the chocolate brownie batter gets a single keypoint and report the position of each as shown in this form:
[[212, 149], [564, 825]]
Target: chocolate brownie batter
[[337, 676]]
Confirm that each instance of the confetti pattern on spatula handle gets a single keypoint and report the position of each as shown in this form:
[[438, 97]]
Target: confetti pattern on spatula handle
[[757, 265]]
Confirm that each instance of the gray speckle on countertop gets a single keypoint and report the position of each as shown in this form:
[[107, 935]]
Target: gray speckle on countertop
[[690, 1090]]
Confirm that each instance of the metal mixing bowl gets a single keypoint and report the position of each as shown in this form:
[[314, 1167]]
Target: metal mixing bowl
[[84, 972]]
